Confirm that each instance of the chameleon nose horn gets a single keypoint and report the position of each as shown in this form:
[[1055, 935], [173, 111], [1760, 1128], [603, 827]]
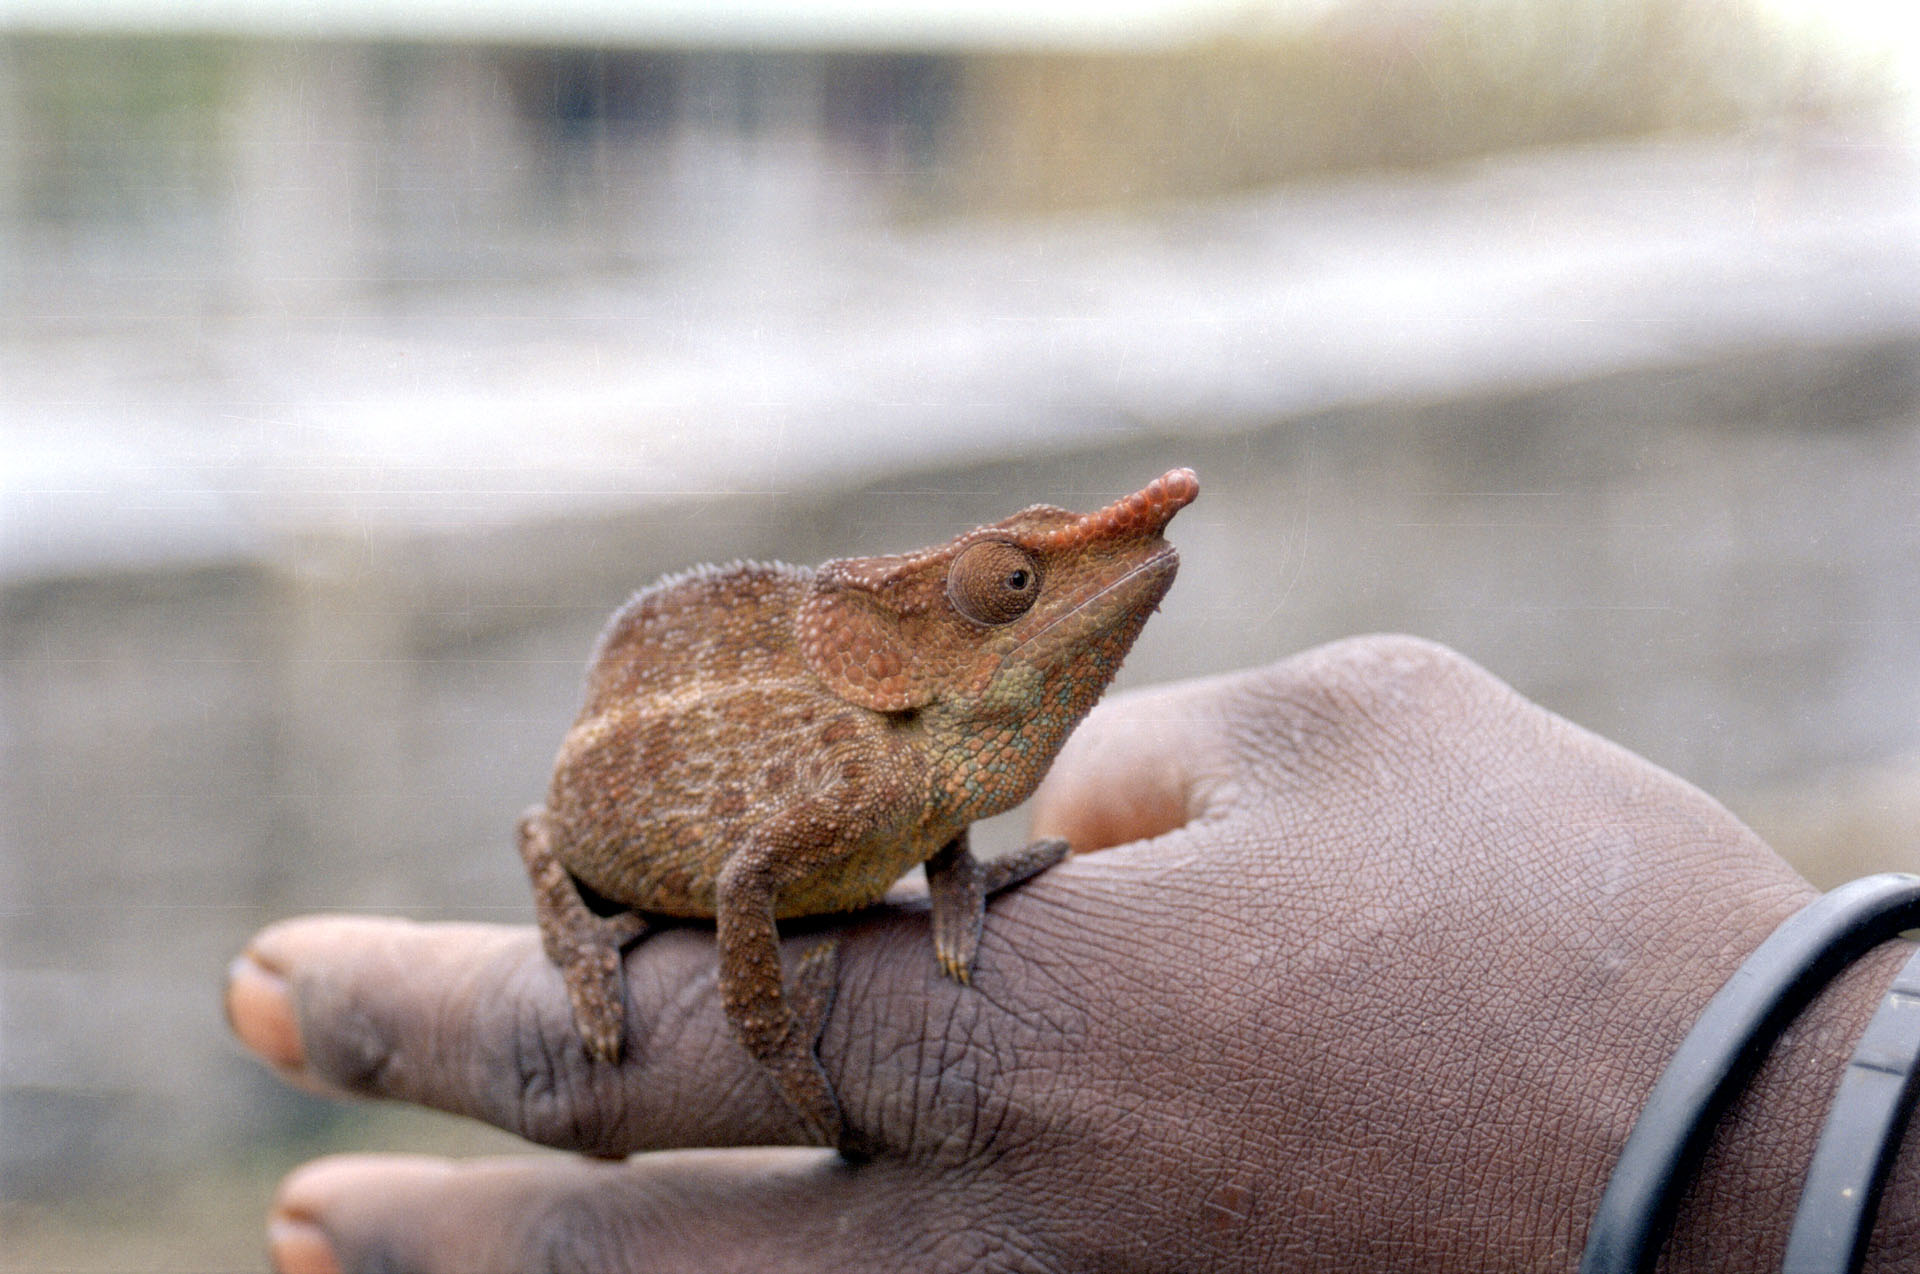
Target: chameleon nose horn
[[1145, 512]]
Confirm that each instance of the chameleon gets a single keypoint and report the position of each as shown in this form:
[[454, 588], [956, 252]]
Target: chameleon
[[762, 741]]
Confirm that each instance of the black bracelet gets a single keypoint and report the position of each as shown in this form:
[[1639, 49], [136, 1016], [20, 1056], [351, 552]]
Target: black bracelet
[[1722, 1052], [1862, 1130]]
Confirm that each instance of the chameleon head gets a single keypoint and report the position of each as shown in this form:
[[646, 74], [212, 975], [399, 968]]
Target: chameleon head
[[1014, 626]]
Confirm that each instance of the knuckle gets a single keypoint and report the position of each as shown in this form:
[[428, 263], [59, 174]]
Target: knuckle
[[1385, 665], [1355, 713], [1391, 686], [344, 1040], [574, 1233], [541, 1082]]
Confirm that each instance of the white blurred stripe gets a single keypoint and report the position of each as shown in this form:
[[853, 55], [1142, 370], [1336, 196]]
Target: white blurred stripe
[[870, 23]]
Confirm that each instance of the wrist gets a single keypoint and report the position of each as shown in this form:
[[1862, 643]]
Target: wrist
[[1740, 1206]]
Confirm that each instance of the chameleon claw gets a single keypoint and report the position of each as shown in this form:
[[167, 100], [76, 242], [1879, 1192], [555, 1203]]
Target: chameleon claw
[[957, 970], [594, 992], [599, 1032]]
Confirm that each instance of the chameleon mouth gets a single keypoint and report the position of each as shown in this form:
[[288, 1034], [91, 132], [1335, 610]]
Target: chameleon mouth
[[1166, 559]]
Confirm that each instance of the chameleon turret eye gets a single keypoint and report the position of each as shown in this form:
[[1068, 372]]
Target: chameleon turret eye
[[993, 582]]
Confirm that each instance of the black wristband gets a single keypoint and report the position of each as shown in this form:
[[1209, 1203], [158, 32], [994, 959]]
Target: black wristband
[[1863, 1128], [1722, 1052]]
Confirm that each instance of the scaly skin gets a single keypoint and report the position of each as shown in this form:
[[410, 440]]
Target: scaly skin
[[767, 741]]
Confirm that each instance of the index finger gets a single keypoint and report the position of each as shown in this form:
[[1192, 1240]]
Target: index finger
[[474, 1020]]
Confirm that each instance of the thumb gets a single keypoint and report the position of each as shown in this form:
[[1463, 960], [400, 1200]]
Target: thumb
[[1142, 764]]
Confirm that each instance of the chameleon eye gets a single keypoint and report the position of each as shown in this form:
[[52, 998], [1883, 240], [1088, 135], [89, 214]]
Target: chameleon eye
[[993, 582]]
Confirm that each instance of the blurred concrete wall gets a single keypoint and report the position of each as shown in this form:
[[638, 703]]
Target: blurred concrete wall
[[1718, 566], [308, 527]]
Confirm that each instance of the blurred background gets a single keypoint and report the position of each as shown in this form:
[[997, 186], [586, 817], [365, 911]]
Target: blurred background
[[356, 359]]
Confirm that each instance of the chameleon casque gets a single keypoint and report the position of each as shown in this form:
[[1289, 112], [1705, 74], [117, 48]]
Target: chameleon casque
[[762, 741]]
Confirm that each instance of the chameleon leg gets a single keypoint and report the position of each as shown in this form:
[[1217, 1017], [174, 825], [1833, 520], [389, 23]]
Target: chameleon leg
[[958, 885], [811, 989], [756, 1003], [585, 946]]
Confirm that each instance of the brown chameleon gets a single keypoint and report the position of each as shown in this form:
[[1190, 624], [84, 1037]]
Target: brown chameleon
[[762, 741]]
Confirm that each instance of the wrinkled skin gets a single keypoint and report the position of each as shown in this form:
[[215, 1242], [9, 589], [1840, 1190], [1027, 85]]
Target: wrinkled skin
[[1379, 971]]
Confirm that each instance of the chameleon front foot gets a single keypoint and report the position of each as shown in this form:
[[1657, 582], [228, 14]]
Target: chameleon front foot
[[1021, 865], [958, 884]]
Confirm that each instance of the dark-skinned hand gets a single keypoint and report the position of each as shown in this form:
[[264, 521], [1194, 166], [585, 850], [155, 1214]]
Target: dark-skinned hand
[[1374, 973]]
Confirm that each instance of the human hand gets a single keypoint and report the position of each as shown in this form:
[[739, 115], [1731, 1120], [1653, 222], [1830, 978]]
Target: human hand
[[1376, 976]]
